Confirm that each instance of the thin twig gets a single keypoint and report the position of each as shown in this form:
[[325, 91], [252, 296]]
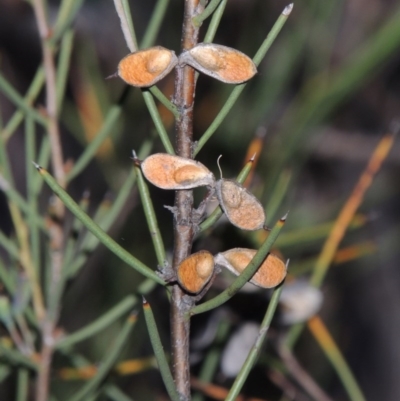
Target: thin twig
[[56, 229], [51, 95], [185, 84]]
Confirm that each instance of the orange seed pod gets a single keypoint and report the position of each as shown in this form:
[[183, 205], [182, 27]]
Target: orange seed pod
[[220, 62], [271, 272], [146, 67], [241, 207], [174, 172], [195, 271]]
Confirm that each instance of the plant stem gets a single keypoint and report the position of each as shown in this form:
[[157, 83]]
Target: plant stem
[[185, 84], [56, 230]]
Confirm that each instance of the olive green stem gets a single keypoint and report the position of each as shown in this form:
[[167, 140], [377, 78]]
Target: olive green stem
[[153, 27], [104, 238], [151, 218], [198, 19], [108, 362], [99, 324], [86, 157], [158, 349], [20, 102], [255, 350], [32, 93]]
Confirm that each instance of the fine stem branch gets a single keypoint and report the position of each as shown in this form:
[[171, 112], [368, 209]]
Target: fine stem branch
[[185, 83], [58, 209]]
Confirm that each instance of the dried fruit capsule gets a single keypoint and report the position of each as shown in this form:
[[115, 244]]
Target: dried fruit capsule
[[240, 206], [146, 67], [195, 271], [220, 62], [174, 172], [271, 272]]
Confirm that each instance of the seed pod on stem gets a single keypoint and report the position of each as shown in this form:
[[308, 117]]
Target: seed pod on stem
[[174, 172], [240, 206], [195, 271], [270, 274], [146, 67], [220, 62]]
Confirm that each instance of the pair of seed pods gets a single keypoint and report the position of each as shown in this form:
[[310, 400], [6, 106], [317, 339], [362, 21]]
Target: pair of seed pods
[[241, 207], [146, 67], [195, 271]]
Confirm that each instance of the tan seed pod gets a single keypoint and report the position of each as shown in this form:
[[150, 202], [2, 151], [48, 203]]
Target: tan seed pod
[[146, 67], [240, 206], [269, 275], [220, 62], [174, 172], [195, 271]]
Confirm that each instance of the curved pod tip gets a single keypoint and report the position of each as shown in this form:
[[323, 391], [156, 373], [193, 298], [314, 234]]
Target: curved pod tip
[[220, 62], [270, 274], [240, 206], [195, 271], [146, 67], [174, 172]]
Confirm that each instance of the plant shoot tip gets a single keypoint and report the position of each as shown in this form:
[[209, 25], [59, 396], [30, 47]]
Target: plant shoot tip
[[283, 218], [36, 165], [252, 158], [288, 9]]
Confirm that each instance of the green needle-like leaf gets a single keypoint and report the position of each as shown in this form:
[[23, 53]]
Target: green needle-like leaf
[[159, 352], [109, 360], [151, 218], [99, 324], [255, 350], [96, 230]]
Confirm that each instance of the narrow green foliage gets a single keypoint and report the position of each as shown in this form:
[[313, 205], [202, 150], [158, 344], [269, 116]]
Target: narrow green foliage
[[22, 385], [151, 218], [32, 93], [226, 108], [109, 360], [20, 102], [154, 25], [63, 66], [159, 352], [99, 324], [211, 7], [215, 21], [106, 130], [96, 230], [115, 394], [155, 115], [256, 349]]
